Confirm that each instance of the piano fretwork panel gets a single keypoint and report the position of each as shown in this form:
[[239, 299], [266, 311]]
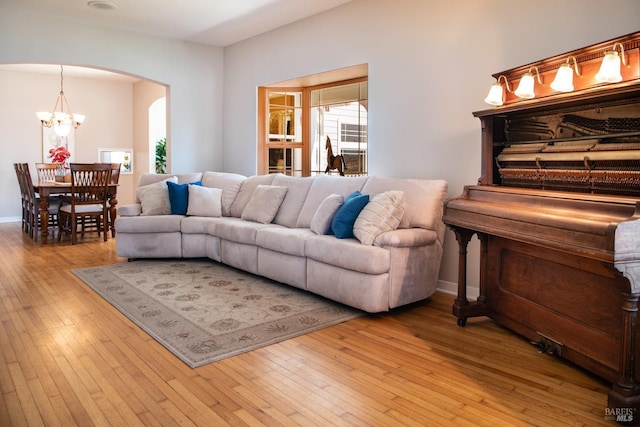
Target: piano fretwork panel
[[557, 214]]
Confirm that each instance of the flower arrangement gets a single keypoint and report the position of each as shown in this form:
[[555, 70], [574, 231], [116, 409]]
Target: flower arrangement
[[59, 155]]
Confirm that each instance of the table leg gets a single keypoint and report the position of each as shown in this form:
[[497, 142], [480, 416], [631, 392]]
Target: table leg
[[43, 205], [113, 201]]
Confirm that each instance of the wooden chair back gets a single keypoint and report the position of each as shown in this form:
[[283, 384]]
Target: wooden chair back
[[24, 194], [89, 183], [115, 172], [30, 208], [46, 171], [26, 184]]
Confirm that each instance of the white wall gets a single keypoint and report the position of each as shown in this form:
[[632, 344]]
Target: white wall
[[192, 72], [103, 102], [430, 66], [144, 94]]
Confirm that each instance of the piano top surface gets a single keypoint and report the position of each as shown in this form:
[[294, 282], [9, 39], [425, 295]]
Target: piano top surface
[[573, 222]]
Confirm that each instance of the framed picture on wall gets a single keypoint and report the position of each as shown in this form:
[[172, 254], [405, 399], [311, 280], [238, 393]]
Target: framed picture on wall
[[50, 141]]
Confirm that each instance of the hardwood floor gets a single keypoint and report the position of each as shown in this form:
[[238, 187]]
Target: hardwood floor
[[69, 358]]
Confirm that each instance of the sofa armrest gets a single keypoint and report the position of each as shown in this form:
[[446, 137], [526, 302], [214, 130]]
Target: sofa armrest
[[406, 237], [134, 209]]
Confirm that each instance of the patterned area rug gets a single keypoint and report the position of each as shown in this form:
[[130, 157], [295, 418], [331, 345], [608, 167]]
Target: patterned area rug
[[203, 311]]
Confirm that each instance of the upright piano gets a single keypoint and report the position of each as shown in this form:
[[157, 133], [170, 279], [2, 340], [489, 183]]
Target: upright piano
[[557, 213]]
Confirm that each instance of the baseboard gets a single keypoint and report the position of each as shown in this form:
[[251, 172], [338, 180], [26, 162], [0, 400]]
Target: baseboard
[[452, 288], [10, 219]]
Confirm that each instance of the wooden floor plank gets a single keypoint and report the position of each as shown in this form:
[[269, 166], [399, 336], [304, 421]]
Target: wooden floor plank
[[69, 358]]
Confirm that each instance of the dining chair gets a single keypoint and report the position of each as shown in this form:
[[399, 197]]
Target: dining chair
[[31, 202], [93, 223], [88, 199], [19, 168], [46, 171]]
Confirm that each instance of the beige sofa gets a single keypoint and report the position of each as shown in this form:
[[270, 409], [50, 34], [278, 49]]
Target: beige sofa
[[401, 266]]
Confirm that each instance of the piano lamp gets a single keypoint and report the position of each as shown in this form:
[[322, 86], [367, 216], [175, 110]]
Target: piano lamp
[[564, 77], [496, 93], [610, 67], [61, 121], [526, 86]]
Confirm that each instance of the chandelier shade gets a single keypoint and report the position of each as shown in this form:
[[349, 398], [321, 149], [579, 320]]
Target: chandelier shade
[[61, 121]]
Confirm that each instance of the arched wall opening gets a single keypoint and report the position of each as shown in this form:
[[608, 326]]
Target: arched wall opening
[[117, 116]]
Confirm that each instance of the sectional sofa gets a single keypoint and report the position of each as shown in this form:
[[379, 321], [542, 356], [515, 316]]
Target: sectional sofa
[[285, 228]]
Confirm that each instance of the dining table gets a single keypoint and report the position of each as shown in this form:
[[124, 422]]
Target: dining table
[[46, 188]]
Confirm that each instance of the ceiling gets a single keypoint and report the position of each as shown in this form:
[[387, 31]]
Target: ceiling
[[211, 22]]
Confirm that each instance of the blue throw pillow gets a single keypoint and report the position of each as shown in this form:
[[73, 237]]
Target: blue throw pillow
[[345, 217], [179, 196]]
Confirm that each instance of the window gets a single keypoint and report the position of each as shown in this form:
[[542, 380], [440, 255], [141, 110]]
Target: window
[[284, 140], [339, 112], [295, 119]]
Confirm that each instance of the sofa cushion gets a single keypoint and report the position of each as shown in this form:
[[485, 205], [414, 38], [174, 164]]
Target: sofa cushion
[[424, 199], [264, 203], [348, 253], [134, 209], [179, 196], [199, 224], [204, 201], [322, 186], [183, 178], [383, 213], [152, 178], [237, 230], [321, 221], [246, 190], [229, 183], [297, 189], [154, 198], [345, 217], [148, 224], [283, 239]]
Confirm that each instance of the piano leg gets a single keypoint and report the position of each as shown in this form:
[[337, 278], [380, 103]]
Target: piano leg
[[625, 393], [462, 308]]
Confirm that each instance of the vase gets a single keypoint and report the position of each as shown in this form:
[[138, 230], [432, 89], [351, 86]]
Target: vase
[[61, 173]]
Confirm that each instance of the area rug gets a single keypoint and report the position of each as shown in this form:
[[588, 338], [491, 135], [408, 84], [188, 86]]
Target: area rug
[[203, 311]]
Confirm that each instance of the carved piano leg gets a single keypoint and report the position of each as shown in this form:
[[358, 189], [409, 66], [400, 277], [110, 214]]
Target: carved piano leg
[[625, 393], [484, 240], [462, 308]]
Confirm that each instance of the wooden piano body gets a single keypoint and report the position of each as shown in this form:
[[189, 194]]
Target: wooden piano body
[[557, 213]]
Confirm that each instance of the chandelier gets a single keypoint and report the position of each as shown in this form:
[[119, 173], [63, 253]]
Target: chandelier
[[61, 121]]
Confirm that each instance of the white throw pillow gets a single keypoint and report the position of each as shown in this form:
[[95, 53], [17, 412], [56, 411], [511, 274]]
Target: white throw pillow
[[154, 198], [246, 191], [204, 201], [383, 213], [321, 220], [264, 203]]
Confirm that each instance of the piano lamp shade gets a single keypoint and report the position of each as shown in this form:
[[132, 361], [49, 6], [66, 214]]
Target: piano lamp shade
[[496, 95], [610, 68], [525, 87], [564, 79]]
